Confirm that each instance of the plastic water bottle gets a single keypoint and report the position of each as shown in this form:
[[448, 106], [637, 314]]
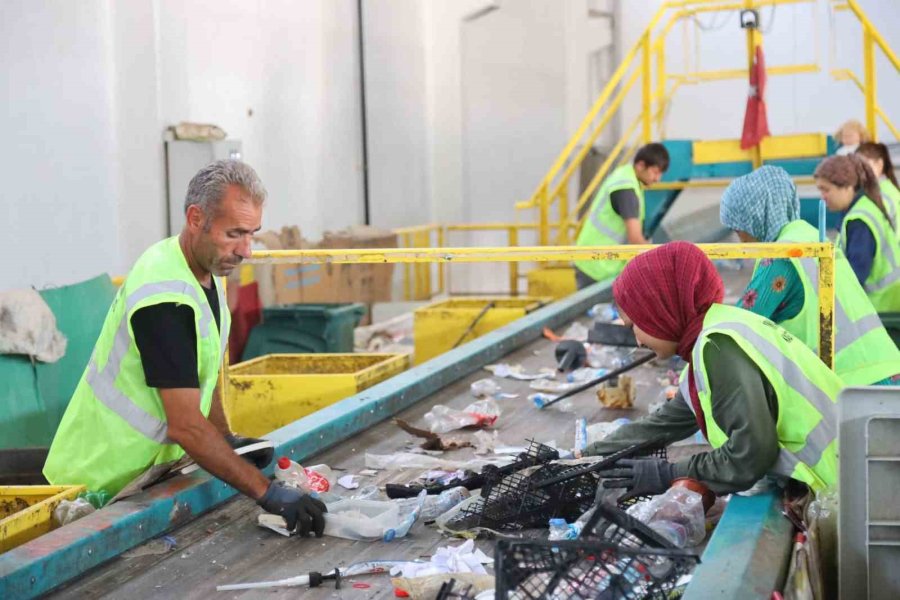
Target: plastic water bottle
[[435, 506], [320, 477], [558, 530], [292, 474]]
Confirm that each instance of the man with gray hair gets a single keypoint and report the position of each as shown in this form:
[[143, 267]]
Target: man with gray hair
[[149, 398]]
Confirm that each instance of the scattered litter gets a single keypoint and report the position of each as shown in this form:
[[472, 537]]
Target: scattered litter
[[515, 450], [275, 523], [317, 478], [618, 395], [604, 312], [69, 511], [160, 545], [542, 400], [464, 558], [597, 432], [580, 434], [369, 472], [485, 442], [359, 585], [443, 419], [347, 482], [436, 505], [485, 388], [441, 477], [432, 440], [585, 374], [508, 371], [550, 386], [576, 331], [385, 520], [429, 587], [408, 460], [677, 515], [315, 579]]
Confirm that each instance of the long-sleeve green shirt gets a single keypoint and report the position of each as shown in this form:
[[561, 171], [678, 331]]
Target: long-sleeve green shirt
[[744, 406]]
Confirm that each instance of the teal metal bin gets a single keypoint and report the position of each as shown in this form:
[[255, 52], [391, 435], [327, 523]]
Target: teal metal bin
[[304, 328]]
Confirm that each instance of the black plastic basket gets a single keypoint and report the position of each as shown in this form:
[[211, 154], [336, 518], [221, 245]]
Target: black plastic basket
[[587, 569], [529, 498], [616, 556]]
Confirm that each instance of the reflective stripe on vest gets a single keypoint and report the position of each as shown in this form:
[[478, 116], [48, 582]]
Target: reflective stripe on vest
[[102, 382], [846, 331], [822, 434]]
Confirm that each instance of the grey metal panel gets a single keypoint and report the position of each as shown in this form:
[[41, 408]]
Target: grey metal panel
[[869, 479]]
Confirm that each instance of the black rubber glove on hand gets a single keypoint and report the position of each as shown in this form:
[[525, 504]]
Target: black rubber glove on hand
[[300, 511], [640, 476], [259, 458]]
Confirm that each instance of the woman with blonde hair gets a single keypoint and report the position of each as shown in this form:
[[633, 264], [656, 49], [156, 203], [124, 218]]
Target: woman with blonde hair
[[867, 236], [850, 135]]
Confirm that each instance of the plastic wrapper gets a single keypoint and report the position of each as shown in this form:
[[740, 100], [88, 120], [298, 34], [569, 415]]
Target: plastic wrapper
[[550, 386], [443, 419], [69, 511], [485, 442], [508, 371], [371, 520], [485, 388], [677, 515]]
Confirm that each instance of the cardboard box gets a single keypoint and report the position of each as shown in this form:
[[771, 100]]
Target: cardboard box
[[295, 283]]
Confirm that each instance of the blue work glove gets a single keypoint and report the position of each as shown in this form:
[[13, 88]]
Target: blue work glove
[[259, 458], [300, 511], [639, 476]]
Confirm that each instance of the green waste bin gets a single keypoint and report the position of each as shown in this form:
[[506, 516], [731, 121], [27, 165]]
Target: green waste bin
[[304, 329]]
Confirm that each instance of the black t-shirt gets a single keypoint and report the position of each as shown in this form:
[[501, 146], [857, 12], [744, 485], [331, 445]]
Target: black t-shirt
[[166, 339], [626, 203]]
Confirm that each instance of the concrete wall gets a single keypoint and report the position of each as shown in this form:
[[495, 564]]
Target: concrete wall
[[92, 88]]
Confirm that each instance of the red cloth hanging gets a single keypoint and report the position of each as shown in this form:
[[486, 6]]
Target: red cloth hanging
[[756, 125]]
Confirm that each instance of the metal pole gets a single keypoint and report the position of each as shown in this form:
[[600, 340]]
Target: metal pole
[[870, 91]]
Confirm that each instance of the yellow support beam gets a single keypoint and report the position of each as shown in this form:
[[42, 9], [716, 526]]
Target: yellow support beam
[[822, 251], [713, 183], [804, 145], [869, 74], [723, 74]]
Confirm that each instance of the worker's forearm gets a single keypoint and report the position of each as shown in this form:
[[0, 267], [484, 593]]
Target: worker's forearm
[[671, 423], [209, 449], [217, 413]]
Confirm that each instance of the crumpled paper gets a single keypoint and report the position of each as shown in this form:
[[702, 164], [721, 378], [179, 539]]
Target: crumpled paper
[[465, 558]]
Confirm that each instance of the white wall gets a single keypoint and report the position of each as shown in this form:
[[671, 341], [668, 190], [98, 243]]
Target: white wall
[[93, 85]]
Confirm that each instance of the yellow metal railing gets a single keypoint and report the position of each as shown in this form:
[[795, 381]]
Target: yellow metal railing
[[824, 252], [645, 63]]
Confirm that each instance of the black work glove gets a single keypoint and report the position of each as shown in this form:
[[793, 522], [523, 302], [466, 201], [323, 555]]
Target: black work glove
[[259, 458], [640, 476], [300, 511]]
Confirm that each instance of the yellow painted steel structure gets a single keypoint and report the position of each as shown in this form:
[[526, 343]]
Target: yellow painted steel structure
[[824, 252], [26, 511], [646, 59], [553, 282], [268, 392], [771, 148], [437, 327]]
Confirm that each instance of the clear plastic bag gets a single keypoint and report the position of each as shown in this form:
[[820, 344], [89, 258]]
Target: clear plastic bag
[[678, 515], [68, 511], [485, 388], [372, 519], [443, 419]]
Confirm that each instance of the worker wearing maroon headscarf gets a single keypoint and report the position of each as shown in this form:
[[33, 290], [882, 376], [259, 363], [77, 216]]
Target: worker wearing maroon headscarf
[[763, 399]]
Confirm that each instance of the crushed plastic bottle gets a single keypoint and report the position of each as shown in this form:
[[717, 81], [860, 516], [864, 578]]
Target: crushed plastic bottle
[[443, 419], [435, 506], [678, 513], [585, 374], [558, 530], [292, 474], [603, 312], [372, 519]]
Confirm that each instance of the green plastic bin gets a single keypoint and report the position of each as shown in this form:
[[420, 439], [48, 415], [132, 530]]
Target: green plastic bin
[[304, 329]]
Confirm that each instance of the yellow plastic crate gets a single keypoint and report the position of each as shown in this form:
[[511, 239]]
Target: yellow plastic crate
[[270, 391], [437, 327], [551, 282], [26, 511]]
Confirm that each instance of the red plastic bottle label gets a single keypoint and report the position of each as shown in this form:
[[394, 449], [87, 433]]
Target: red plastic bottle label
[[317, 483]]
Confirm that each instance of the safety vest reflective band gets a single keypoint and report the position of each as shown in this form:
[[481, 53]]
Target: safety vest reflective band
[[115, 426], [883, 283], [805, 388], [891, 196], [604, 226], [864, 352]]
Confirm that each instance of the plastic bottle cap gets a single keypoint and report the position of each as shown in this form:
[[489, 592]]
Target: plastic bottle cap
[[284, 462], [389, 535]]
